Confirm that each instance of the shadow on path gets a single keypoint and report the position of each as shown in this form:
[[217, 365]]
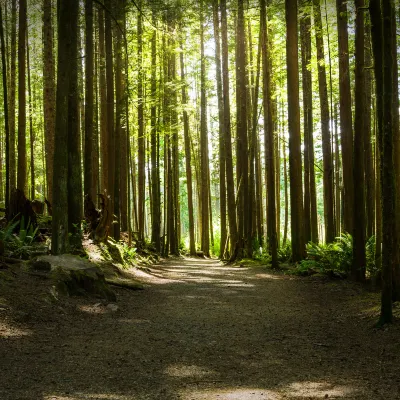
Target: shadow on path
[[208, 331]]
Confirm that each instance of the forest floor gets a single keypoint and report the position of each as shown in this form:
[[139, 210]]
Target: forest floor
[[199, 330]]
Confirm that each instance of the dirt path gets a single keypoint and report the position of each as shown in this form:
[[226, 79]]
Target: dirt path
[[202, 330]]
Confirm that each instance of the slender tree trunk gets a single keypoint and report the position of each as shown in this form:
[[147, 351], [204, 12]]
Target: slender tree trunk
[[119, 110], [346, 124], [6, 120], [359, 256], [269, 140], [305, 34], [368, 154], [89, 187], [205, 237], [388, 179], [396, 158], [31, 133], [21, 178], [295, 168], [175, 160], [141, 139], [377, 39], [155, 181], [285, 180], [188, 160], [13, 171], [110, 108], [326, 137], [227, 130], [124, 137], [103, 103], [49, 94], [337, 175], [74, 149], [222, 164]]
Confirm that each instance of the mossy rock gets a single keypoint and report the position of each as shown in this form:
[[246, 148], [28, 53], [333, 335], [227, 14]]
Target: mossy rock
[[75, 276]]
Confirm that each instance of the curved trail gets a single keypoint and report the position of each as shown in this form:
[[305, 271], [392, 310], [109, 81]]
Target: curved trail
[[202, 330]]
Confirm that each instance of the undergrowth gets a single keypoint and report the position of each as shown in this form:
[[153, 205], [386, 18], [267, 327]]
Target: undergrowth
[[335, 258]]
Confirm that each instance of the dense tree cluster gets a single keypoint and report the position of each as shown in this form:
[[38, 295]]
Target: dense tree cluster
[[220, 126]]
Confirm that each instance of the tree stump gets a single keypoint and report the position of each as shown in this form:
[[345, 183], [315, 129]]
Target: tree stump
[[21, 208]]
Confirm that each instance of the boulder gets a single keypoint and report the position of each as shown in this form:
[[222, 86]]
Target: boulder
[[75, 276]]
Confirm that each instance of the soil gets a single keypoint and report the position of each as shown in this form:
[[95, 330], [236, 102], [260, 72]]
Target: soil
[[199, 330]]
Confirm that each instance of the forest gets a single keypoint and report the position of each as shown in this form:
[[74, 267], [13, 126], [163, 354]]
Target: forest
[[237, 129]]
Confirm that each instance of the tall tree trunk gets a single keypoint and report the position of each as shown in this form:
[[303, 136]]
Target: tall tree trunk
[[188, 160], [269, 141], [31, 133], [175, 160], [377, 41], [326, 137], [74, 148], [305, 27], [13, 71], [242, 164], [222, 164], [103, 103], [21, 178], [155, 180], [227, 130], [141, 139], [388, 179], [346, 124], [110, 108], [295, 168], [119, 95], [49, 94], [205, 234], [89, 187], [59, 239], [368, 154], [337, 176], [6, 120], [359, 256], [124, 137], [396, 158], [285, 180]]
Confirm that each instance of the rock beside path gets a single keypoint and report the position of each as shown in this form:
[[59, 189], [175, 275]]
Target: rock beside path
[[76, 276]]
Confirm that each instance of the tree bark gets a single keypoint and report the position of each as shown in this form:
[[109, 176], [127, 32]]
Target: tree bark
[[205, 234], [188, 161], [228, 138], [59, 242], [269, 140], [326, 136], [346, 124], [89, 187], [110, 107], [75, 200], [222, 163], [6, 120], [13, 171], [359, 256], [21, 177], [49, 94], [103, 103], [295, 167], [141, 139], [155, 180]]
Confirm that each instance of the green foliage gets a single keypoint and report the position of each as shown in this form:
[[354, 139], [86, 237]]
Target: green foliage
[[216, 247], [335, 257], [285, 252], [6, 234], [128, 252]]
